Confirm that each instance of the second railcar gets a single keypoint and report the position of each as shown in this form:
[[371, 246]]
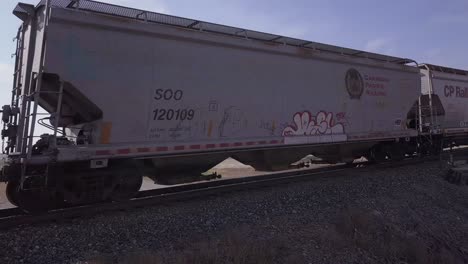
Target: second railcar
[[445, 103]]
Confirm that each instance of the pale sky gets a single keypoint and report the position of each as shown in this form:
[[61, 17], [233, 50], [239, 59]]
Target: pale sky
[[431, 31]]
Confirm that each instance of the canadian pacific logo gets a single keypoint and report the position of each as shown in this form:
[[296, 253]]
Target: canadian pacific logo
[[354, 84]]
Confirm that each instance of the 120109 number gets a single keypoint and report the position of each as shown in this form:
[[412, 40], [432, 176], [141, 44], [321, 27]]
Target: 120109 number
[[173, 114]]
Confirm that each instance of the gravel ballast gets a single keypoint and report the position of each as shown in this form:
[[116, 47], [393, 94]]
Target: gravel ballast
[[400, 215]]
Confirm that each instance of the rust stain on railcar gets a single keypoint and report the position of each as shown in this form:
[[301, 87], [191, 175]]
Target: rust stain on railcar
[[122, 19], [210, 128], [304, 52], [106, 130], [271, 43]]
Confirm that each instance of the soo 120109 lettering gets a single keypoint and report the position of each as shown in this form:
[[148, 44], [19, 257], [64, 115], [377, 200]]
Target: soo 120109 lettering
[[173, 114], [162, 114]]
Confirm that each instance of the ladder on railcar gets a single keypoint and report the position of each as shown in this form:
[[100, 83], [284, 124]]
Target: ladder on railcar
[[428, 131], [31, 100], [12, 122]]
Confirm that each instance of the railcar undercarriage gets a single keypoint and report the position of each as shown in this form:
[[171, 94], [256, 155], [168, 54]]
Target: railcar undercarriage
[[50, 186], [55, 185]]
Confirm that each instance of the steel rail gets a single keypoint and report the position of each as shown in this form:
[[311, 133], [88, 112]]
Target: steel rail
[[14, 217]]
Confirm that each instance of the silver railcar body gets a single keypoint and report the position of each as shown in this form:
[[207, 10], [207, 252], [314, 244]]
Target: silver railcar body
[[175, 94]]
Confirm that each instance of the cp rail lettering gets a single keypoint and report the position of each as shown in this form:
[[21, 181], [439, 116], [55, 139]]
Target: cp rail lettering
[[455, 91]]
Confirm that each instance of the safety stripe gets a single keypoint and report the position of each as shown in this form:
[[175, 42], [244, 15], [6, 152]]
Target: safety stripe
[[162, 149], [455, 130], [103, 152], [156, 150], [140, 150], [179, 148], [123, 151], [378, 136]]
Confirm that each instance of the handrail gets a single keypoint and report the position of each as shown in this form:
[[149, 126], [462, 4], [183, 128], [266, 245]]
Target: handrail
[[191, 24]]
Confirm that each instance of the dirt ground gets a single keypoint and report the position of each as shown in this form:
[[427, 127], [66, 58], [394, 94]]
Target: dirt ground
[[408, 214], [3, 200], [414, 217]]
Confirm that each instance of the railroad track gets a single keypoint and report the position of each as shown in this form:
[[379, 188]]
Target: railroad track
[[15, 217]]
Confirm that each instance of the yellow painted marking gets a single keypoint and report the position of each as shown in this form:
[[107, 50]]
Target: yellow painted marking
[[106, 129]]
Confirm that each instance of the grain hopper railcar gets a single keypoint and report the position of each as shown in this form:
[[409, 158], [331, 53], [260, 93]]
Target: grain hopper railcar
[[132, 93], [444, 104]]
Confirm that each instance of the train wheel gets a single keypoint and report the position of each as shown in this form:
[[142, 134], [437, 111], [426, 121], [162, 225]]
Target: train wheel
[[377, 155], [397, 153], [436, 149], [12, 193], [128, 183], [34, 201], [38, 200], [31, 201]]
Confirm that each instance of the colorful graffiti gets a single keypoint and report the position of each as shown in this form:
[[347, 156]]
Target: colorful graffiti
[[305, 124]]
